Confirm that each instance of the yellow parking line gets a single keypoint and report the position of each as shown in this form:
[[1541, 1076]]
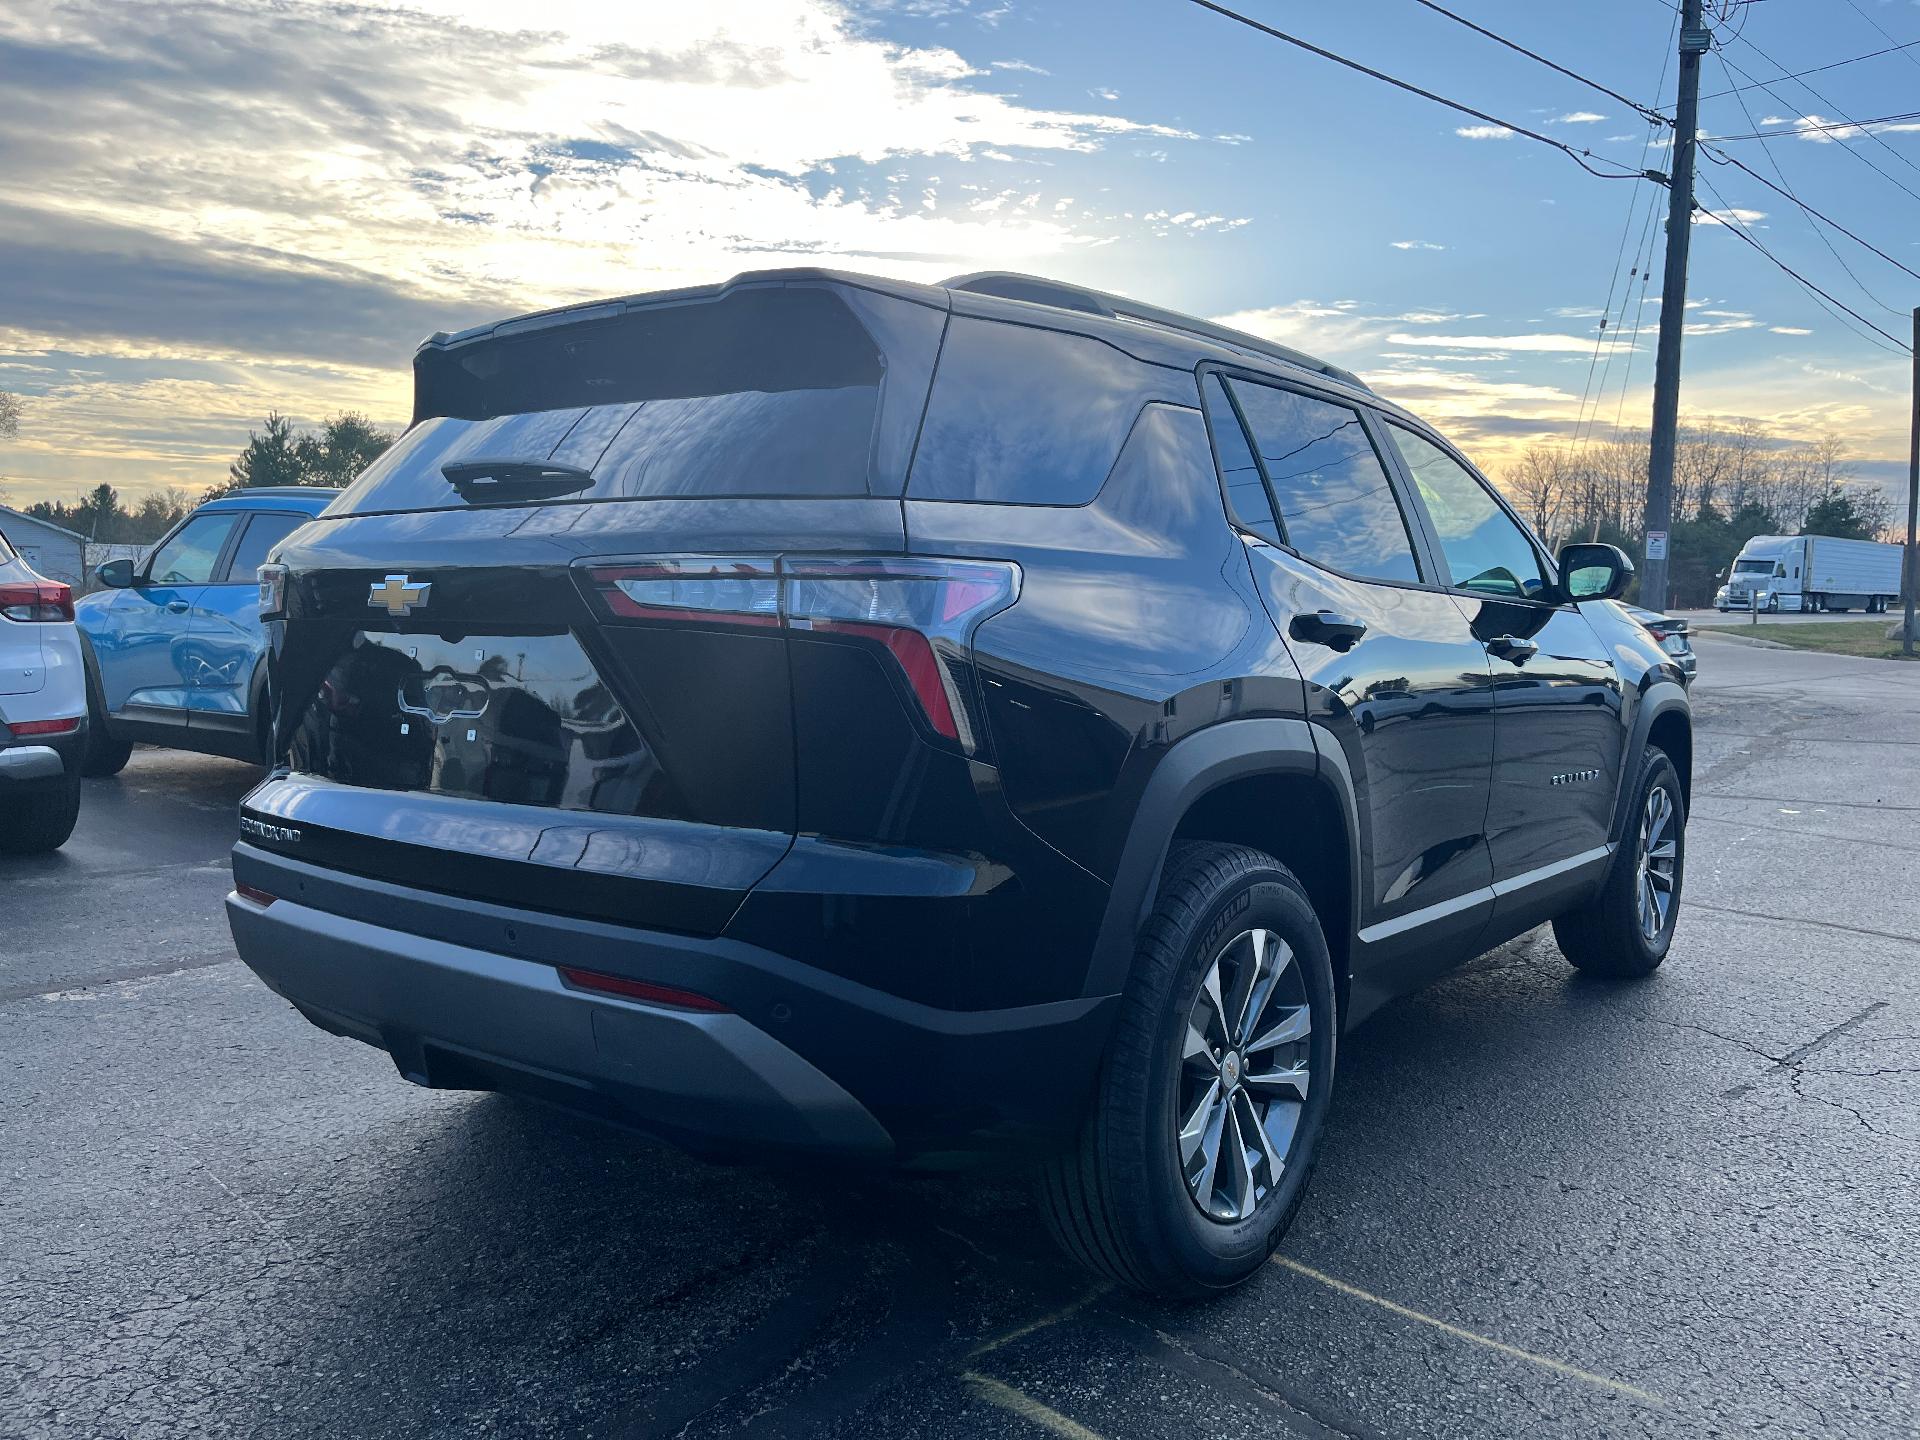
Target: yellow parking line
[[1052, 1317], [1559, 1367], [1027, 1408]]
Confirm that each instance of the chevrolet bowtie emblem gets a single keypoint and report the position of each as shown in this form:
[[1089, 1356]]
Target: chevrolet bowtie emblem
[[397, 597]]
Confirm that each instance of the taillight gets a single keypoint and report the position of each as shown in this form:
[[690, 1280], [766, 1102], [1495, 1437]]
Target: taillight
[[37, 600], [273, 591], [922, 612]]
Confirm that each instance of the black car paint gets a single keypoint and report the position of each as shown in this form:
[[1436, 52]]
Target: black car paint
[[928, 926]]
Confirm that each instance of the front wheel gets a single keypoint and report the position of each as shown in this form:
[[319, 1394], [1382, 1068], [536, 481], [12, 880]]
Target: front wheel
[[1625, 931], [1203, 1132]]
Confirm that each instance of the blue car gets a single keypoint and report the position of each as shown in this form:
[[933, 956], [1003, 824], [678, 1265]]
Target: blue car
[[175, 654]]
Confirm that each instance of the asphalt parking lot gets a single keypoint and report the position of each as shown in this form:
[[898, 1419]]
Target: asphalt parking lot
[[1547, 1206]]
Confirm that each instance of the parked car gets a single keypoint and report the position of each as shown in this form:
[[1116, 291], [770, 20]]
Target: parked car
[[174, 648], [1674, 636], [830, 714], [43, 709]]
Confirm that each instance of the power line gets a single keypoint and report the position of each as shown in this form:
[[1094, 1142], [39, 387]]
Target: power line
[[1874, 135], [1882, 29], [1835, 65], [1857, 154], [1412, 89], [1804, 127], [1651, 114], [1816, 214], [1737, 229]]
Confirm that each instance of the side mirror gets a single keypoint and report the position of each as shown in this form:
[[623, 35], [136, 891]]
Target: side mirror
[[1594, 572], [115, 574]]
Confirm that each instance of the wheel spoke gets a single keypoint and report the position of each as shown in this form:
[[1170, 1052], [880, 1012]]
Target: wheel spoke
[[1661, 881], [1665, 850], [1242, 1168], [1269, 1157], [1210, 993], [1253, 973], [1196, 1048], [1296, 1025], [1275, 1082], [1194, 1131]]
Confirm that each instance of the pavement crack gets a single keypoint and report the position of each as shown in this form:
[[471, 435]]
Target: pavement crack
[[1803, 920], [1794, 1058]]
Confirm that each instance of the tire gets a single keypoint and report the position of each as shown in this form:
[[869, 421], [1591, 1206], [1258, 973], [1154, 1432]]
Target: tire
[[40, 820], [1118, 1198], [104, 754], [1608, 936]]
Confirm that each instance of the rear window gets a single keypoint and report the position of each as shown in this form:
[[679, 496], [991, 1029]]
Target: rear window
[[1025, 416], [780, 391]]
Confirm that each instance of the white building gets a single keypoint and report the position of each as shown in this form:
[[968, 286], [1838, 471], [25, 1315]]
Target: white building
[[57, 553]]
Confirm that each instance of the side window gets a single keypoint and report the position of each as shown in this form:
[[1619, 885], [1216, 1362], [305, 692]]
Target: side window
[[1485, 550], [1337, 506], [187, 559], [264, 531], [1026, 416], [1247, 497]]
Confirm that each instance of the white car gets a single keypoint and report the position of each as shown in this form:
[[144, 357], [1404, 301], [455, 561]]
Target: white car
[[43, 709]]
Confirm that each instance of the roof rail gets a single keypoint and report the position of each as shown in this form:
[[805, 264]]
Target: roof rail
[[1034, 289], [281, 490]]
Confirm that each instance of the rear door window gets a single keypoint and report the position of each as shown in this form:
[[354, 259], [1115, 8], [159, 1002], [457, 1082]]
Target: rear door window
[[189, 557], [265, 530], [1247, 498], [1337, 506]]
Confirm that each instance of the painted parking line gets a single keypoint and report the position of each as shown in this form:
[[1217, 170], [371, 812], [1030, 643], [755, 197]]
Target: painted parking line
[[1545, 1362], [1052, 1317], [1016, 1402]]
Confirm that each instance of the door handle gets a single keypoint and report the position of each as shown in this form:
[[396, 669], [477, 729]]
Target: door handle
[[1323, 627], [178, 607], [1512, 647]]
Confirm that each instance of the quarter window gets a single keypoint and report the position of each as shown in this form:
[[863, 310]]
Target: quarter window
[[1336, 504], [187, 559], [1485, 550], [1247, 498]]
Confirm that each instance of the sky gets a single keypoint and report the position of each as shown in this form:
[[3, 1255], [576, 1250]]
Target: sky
[[215, 208]]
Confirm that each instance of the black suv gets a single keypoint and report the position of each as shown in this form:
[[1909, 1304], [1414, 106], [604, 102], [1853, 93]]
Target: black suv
[[822, 713]]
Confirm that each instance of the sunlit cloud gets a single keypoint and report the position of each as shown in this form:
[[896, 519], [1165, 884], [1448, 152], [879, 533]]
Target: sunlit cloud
[[1484, 132], [1416, 245]]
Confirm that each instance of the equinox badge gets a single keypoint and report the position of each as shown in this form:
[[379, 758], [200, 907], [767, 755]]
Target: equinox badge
[[397, 597]]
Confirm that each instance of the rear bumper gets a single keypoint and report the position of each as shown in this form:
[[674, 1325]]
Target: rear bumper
[[467, 996], [39, 761]]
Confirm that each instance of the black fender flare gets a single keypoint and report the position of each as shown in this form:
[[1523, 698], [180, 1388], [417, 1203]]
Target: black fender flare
[[1660, 698], [258, 698], [1202, 762]]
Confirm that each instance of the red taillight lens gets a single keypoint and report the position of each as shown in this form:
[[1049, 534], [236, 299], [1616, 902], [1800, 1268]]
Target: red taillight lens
[[733, 590], [640, 990], [922, 611], [44, 727], [252, 892], [37, 600]]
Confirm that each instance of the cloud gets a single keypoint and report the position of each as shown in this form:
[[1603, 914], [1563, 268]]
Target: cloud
[[1733, 215], [1822, 131], [1103, 92], [1020, 65], [1579, 117], [1484, 132], [1531, 344], [1416, 245], [1789, 330]]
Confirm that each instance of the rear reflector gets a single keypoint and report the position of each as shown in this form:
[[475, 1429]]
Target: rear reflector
[[640, 990], [44, 727], [922, 612], [253, 893], [37, 600]]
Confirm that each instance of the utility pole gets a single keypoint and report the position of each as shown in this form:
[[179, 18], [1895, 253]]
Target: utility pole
[[1694, 40], [1911, 570]]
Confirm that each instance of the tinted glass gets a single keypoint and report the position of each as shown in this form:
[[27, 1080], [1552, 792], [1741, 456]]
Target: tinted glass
[[1027, 416], [187, 559], [1337, 506], [1246, 491], [773, 392], [1485, 550], [263, 532]]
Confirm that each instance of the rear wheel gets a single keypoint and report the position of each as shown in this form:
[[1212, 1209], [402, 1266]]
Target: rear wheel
[[1203, 1133], [104, 754], [40, 820], [1625, 931]]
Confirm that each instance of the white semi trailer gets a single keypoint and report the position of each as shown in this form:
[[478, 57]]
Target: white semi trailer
[[1812, 572]]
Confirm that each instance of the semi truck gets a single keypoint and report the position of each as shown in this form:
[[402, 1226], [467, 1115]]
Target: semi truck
[[1812, 572]]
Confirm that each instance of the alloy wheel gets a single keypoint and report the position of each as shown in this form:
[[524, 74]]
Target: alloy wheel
[[1244, 1073], [1659, 862]]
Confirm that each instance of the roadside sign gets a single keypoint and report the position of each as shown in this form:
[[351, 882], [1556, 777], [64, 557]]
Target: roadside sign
[[1656, 544]]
